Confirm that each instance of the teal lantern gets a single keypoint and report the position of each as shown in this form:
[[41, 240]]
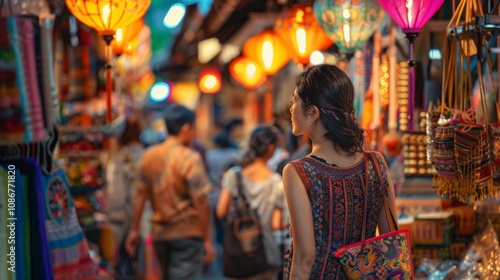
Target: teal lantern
[[349, 23]]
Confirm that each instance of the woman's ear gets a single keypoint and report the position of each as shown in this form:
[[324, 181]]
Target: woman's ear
[[313, 113]]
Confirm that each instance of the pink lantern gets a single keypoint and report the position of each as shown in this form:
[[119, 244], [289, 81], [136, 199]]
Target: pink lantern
[[411, 16]]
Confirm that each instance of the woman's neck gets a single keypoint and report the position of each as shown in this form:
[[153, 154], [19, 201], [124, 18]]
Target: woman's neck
[[259, 162], [326, 150]]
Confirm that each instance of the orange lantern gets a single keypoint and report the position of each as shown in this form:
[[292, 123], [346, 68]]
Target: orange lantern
[[106, 16], [209, 81], [269, 50], [247, 72], [124, 36], [301, 32]]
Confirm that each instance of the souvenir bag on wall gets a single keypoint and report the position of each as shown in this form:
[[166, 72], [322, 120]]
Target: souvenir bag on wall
[[469, 179], [475, 137], [443, 151]]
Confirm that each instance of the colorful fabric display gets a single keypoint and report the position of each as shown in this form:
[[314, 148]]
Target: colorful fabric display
[[69, 249], [28, 100]]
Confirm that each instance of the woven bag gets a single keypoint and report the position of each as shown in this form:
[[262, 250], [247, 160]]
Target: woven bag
[[387, 256]]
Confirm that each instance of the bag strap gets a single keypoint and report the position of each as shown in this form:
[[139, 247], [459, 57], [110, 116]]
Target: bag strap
[[391, 221], [365, 193], [242, 205]]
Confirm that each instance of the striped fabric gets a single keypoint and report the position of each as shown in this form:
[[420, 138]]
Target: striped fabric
[[35, 107], [69, 251], [18, 50], [26, 42]]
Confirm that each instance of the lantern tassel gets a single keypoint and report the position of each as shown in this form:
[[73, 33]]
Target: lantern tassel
[[109, 114], [109, 89], [411, 83]]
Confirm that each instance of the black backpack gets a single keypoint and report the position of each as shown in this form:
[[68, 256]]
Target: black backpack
[[243, 254]]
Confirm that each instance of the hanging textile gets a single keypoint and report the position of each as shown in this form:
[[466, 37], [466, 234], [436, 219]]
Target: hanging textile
[[28, 99], [68, 248], [49, 242], [42, 151], [23, 36], [39, 252], [5, 273]]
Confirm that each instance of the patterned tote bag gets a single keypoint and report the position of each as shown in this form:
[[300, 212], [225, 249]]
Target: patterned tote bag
[[387, 256]]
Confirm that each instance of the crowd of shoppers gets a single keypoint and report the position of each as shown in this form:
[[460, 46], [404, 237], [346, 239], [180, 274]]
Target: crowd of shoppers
[[314, 187]]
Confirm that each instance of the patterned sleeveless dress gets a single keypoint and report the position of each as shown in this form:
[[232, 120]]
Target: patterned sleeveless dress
[[337, 200]]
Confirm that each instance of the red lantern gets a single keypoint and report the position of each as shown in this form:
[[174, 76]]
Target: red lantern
[[301, 32], [247, 72], [209, 81], [269, 50]]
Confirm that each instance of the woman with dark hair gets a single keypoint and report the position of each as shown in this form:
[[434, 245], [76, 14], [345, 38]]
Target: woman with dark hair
[[333, 193], [120, 175], [263, 191]]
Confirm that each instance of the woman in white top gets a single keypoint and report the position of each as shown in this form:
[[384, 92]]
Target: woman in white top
[[263, 190]]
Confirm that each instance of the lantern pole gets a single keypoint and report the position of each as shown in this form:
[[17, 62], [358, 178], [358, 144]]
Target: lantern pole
[[411, 82], [107, 66]]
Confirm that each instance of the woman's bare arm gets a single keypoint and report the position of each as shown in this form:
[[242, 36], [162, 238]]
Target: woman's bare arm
[[302, 224]]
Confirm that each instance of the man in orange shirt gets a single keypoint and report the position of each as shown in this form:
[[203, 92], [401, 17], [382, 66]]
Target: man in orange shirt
[[173, 177]]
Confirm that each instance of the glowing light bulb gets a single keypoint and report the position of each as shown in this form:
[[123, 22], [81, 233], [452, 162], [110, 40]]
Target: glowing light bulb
[[119, 35], [174, 15], [106, 12], [317, 57], [210, 81], [267, 54], [159, 92], [300, 33], [251, 70]]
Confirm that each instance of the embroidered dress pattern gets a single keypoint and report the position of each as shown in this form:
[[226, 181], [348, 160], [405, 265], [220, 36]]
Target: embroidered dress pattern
[[337, 201]]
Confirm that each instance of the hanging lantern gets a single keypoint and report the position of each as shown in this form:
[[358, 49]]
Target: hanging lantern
[[106, 16], [124, 36], [349, 23], [269, 50], [247, 72], [301, 33], [209, 81], [411, 16]]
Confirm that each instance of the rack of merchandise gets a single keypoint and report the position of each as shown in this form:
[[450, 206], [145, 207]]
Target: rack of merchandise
[[80, 152]]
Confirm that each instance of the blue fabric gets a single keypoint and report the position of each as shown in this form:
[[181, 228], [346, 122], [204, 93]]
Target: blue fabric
[[41, 267], [21, 249]]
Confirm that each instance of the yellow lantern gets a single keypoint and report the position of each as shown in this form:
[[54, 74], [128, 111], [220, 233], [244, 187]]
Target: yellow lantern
[[247, 72], [106, 16], [124, 36], [269, 50], [301, 32]]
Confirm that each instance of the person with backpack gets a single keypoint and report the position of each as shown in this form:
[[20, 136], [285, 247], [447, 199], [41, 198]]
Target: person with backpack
[[251, 196]]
